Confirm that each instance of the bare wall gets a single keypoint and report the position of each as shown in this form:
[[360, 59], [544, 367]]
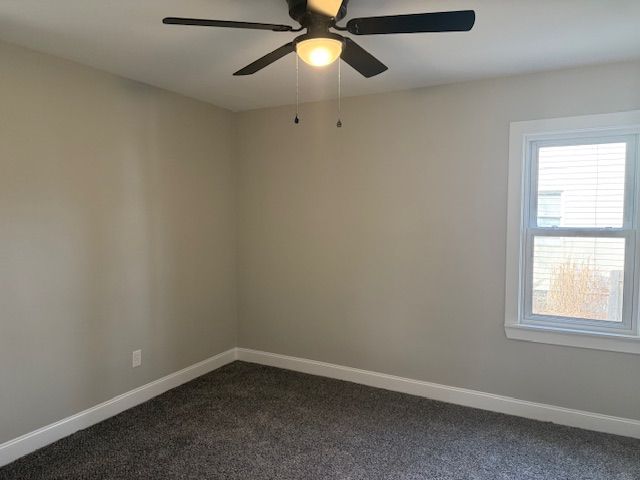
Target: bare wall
[[381, 245], [117, 232]]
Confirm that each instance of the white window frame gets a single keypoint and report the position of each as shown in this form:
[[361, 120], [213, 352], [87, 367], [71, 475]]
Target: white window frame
[[524, 141]]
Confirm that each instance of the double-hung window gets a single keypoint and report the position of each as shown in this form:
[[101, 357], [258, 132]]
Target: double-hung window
[[573, 232]]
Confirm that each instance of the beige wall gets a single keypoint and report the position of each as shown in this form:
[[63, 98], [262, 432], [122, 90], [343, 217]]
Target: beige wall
[[117, 232], [382, 245]]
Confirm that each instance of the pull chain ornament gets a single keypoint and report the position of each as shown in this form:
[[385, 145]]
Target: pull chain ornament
[[339, 124], [297, 119]]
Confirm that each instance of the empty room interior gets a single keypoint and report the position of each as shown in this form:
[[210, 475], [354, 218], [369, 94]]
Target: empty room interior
[[320, 239]]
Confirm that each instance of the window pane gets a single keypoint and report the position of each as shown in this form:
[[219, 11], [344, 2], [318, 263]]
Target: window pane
[[582, 185], [579, 277]]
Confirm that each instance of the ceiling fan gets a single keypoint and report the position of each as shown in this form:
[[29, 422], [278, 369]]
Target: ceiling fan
[[320, 47]]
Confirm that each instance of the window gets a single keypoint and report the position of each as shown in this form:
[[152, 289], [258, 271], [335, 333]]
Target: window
[[572, 241]]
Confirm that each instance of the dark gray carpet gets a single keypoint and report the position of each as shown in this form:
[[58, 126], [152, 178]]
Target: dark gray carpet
[[251, 422]]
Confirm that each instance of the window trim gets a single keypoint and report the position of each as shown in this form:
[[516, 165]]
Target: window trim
[[590, 334]]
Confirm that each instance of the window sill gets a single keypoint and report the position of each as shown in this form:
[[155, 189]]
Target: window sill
[[570, 338]]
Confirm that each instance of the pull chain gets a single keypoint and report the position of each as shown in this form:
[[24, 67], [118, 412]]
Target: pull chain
[[297, 119], [339, 124]]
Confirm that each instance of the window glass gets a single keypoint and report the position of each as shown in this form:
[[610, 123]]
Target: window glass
[[578, 277], [581, 185]]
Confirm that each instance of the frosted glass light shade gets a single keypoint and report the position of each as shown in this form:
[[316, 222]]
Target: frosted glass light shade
[[319, 52]]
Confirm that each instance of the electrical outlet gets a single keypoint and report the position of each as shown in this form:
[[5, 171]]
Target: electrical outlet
[[136, 358]]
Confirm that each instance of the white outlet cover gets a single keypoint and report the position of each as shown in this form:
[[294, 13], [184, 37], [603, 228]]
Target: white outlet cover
[[136, 360]]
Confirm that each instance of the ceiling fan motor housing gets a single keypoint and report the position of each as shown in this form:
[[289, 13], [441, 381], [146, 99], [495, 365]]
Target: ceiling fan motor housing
[[300, 13]]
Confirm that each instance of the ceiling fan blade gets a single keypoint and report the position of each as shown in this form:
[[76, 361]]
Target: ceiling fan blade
[[267, 60], [458, 21], [226, 24], [361, 60], [330, 8]]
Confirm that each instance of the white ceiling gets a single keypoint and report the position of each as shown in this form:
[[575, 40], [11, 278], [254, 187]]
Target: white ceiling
[[126, 37]]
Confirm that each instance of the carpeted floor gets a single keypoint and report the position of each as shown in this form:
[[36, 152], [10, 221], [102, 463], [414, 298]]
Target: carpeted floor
[[251, 422]]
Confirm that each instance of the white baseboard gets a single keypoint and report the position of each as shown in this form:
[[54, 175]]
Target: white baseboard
[[18, 447], [460, 396]]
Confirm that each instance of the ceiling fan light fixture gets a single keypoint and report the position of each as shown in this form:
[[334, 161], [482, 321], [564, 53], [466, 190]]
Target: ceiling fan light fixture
[[320, 51], [320, 47]]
